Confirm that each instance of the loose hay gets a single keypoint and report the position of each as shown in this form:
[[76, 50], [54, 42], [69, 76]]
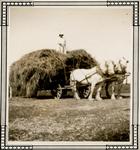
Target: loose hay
[[44, 69]]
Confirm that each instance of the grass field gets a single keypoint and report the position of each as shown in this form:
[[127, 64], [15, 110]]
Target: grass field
[[68, 120]]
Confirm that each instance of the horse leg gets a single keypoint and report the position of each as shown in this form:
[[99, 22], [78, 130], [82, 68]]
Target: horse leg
[[98, 95], [106, 89], [76, 96], [113, 91], [90, 95], [119, 90]]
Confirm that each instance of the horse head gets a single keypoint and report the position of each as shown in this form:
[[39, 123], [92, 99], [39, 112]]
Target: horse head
[[109, 67], [122, 66]]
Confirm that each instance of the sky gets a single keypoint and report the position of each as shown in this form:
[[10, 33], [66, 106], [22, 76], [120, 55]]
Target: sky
[[104, 32]]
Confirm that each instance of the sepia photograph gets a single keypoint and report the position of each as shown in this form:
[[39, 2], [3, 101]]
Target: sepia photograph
[[70, 74]]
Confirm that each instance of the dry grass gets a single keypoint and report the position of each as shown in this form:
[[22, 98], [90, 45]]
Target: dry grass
[[68, 120], [41, 69]]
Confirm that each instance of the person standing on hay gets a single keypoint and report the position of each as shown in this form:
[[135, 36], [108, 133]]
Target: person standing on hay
[[61, 44]]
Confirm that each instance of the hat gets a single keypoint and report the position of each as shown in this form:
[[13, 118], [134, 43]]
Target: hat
[[61, 35]]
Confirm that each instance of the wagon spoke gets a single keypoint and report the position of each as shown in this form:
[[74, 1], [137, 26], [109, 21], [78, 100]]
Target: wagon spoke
[[57, 92]]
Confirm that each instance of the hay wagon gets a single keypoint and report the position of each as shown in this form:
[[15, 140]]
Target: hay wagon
[[48, 69]]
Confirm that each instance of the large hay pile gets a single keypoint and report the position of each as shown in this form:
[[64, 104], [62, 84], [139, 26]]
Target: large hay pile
[[44, 69]]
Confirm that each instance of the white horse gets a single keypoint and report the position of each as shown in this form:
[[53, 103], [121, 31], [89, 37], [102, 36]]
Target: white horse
[[121, 67], [91, 76], [121, 71]]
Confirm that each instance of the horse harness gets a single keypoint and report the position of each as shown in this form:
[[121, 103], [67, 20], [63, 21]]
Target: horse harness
[[87, 77]]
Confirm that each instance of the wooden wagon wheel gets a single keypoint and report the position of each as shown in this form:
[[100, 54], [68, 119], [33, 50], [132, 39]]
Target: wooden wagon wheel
[[57, 92], [84, 91], [118, 82]]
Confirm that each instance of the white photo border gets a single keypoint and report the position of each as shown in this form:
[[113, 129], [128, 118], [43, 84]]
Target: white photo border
[[5, 5]]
